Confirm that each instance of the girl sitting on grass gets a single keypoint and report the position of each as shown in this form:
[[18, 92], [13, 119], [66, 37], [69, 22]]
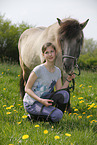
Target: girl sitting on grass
[[39, 99]]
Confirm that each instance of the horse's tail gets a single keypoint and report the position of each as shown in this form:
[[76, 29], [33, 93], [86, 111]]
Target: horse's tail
[[22, 87]]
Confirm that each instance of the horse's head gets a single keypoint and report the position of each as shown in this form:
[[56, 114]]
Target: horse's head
[[70, 38]]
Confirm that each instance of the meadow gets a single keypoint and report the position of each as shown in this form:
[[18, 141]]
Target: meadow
[[76, 128]]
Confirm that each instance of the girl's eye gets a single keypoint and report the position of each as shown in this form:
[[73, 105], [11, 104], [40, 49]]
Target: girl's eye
[[52, 51], [46, 52]]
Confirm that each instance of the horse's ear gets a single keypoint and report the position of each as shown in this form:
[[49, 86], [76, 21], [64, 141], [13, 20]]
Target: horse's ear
[[82, 25], [59, 21]]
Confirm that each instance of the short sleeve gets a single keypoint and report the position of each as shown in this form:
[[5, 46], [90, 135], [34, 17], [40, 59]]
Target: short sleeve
[[37, 70], [58, 72]]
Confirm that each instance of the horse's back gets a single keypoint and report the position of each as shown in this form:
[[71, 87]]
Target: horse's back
[[26, 46], [29, 36]]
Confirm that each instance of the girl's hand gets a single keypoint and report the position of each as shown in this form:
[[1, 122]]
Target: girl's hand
[[70, 77], [46, 102]]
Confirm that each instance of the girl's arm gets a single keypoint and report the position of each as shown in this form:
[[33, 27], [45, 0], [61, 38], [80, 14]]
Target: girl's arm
[[28, 89], [59, 86]]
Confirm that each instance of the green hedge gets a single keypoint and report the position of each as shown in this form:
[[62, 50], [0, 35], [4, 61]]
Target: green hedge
[[88, 61]]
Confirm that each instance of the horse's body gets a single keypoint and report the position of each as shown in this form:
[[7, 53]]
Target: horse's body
[[67, 36]]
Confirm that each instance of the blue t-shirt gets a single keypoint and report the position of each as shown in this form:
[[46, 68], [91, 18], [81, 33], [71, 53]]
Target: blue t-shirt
[[44, 83]]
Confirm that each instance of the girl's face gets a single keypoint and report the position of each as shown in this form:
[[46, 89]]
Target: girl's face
[[50, 54]]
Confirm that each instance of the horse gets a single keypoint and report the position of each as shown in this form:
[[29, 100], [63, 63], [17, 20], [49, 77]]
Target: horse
[[66, 35]]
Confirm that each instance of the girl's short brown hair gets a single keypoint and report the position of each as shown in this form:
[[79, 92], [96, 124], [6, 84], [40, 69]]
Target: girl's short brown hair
[[44, 47]]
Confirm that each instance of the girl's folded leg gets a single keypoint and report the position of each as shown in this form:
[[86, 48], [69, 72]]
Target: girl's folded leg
[[39, 109]]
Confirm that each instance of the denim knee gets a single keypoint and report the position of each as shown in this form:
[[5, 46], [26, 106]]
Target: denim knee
[[56, 115]]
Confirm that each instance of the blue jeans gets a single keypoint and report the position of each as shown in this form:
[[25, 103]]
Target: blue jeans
[[61, 98]]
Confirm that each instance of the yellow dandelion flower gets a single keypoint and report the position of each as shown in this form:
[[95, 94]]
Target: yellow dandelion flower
[[84, 113], [18, 75], [4, 105], [14, 110], [11, 144], [88, 116], [69, 113], [95, 106], [11, 106], [4, 89], [57, 137], [92, 121], [8, 113], [19, 104], [8, 108], [79, 116], [73, 96], [75, 109], [75, 113], [24, 116], [19, 122], [2, 73], [52, 126], [81, 85], [90, 86], [91, 106], [25, 136], [80, 98], [45, 131], [67, 134], [81, 101], [36, 125]]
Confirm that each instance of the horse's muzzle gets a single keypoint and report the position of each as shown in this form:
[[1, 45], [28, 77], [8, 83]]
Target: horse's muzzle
[[69, 63]]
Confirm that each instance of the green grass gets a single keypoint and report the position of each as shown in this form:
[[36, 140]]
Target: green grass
[[81, 124]]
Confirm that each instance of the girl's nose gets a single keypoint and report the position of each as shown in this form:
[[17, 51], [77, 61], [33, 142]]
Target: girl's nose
[[50, 53]]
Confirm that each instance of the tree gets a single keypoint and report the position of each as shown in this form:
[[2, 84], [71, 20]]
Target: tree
[[9, 36]]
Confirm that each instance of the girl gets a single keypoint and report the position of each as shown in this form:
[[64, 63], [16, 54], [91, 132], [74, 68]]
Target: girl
[[39, 99]]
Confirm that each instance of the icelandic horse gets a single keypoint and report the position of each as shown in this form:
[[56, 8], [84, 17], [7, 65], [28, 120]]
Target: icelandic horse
[[67, 36]]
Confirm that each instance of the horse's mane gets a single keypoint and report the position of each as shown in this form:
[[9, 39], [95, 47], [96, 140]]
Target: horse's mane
[[69, 29]]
